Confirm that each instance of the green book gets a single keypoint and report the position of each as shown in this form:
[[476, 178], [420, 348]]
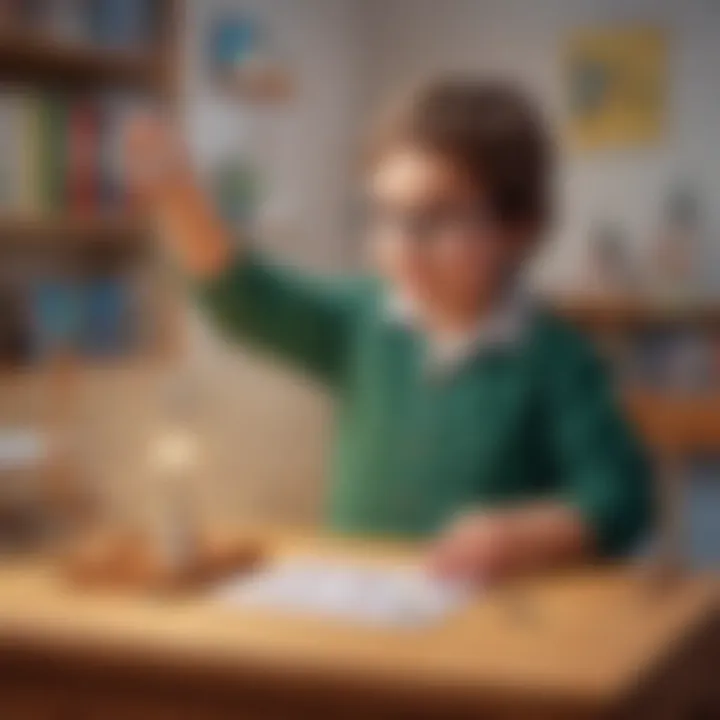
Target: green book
[[53, 137], [28, 127]]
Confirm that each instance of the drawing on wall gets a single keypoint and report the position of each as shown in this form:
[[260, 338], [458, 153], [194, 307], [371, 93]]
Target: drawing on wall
[[617, 87], [243, 62]]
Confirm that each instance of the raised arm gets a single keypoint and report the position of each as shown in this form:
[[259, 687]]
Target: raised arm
[[308, 322]]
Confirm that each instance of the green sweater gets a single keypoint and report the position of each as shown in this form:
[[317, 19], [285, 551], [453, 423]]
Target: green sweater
[[533, 421]]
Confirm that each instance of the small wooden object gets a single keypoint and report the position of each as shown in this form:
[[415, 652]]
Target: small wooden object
[[129, 561]]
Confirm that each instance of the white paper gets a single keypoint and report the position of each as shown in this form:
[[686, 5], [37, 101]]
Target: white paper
[[22, 448], [403, 596]]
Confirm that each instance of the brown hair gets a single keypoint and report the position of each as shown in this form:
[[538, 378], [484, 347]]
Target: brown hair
[[489, 129]]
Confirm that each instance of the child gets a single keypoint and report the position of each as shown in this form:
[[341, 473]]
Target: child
[[466, 414]]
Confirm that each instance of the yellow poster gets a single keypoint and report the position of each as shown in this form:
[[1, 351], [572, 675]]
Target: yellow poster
[[617, 87]]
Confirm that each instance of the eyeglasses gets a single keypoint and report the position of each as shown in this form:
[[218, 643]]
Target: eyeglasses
[[429, 224]]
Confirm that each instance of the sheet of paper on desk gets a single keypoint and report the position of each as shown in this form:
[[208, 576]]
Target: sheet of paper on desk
[[365, 595]]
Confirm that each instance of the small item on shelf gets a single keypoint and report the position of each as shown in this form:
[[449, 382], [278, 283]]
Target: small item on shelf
[[690, 362], [611, 272], [675, 274], [237, 192]]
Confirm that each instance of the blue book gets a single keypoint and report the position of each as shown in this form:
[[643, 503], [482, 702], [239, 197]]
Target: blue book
[[122, 23], [108, 326], [56, 312]]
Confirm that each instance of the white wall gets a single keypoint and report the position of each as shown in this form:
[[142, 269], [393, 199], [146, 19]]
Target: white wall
[[412, 39], [303, 145], [265, 429]]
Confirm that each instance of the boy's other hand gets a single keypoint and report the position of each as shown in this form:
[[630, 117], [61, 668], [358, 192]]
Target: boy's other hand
[[477, 546], [493, 546]]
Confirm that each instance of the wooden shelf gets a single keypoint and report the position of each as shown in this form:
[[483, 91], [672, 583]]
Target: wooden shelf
[[141, 360], [620, 312], [676, 423], [20, 230], [45, 61]]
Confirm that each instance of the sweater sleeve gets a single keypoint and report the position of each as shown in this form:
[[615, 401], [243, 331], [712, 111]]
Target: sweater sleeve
[[306, 321], [604, 469]]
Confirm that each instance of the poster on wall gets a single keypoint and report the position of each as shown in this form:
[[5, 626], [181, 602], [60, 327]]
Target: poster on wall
[[616, 85], [243, 62]]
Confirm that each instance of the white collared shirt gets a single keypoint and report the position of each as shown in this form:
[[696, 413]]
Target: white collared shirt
[[504, 327]]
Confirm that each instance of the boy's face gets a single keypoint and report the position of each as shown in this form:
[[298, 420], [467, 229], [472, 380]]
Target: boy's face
[[433, 236]]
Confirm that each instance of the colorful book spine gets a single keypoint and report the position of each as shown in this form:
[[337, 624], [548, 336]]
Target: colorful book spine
[[83, 151], [122, 23], [29, 132], [54, 152], [107, 328], [19, 156], [57, 316], [60, 155], [8, 165]]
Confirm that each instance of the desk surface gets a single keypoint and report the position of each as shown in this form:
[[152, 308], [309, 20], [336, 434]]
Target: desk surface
[[587, 636]]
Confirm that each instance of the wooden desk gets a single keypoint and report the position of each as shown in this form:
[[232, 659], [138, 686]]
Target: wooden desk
[[590, 644]]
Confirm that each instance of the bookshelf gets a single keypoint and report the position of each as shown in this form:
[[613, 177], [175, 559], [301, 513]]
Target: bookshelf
[[25, 229], [27, 58], [632, 312], [35, 60], [84, 300]]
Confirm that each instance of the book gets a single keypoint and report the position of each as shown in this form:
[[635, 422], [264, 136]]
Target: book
[[29, 148], [56, 311], [62, 154], [107, 323], [82, 162], [126, 24], [66, 20], [54, 159], [110, 188], [8, 161]]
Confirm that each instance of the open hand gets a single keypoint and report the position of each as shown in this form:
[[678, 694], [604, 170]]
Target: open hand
[[476, 547], [497, 545]]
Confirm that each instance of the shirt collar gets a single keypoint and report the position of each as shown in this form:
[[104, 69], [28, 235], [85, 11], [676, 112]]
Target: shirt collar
[[504, 328]]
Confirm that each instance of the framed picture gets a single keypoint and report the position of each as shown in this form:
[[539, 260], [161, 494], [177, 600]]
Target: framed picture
[[243, 62], [616, 83]]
